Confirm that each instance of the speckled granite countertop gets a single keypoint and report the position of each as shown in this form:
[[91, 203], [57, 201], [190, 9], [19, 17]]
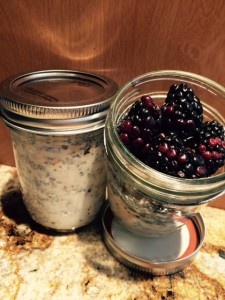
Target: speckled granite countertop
[[39, 265]]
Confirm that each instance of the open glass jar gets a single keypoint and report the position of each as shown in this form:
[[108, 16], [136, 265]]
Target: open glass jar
[[56, 118], [142, 199]]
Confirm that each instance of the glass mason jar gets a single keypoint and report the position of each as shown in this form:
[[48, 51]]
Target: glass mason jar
[[56, 119], [144, 200]]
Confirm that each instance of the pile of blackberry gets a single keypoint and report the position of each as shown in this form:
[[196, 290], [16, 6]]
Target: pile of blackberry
[[173, 138]]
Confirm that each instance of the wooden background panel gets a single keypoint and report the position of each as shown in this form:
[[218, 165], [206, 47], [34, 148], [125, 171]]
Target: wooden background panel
[[117, 38]]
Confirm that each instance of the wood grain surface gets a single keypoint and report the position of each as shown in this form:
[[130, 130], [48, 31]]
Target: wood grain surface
[[117, 38]]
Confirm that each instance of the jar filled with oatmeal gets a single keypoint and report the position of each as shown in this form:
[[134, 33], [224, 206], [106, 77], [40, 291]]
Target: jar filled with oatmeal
[[56, 119]]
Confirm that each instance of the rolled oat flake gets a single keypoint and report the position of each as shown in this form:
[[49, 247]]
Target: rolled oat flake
[[56, 119]]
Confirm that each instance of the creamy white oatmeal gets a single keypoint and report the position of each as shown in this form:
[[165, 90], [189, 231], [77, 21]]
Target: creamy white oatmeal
[[62, 177]]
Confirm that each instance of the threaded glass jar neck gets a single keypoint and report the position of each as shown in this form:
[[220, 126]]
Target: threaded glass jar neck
[[59, 102]]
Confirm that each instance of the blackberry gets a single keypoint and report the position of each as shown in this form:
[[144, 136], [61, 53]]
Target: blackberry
[[146, 113], [169, 155], [212, 145], [141, 123], [173, 139], [182, 110], [195, 166], [212, 129]]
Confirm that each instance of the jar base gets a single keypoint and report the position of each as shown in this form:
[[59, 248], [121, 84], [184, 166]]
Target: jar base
[[158, 256], [56, 231]]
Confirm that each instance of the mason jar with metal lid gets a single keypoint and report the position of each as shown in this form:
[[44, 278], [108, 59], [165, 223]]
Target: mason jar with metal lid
[[145, 200], [56, 119]]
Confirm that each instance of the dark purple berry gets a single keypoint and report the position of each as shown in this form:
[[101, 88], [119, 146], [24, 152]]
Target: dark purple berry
[[125, 138], [182, 109], [201, 171], [145, 150], [138, 143], [149, 122], [211, 145], [163, 148], [173, 138], [171, 153], [147, 101], [139, 125], [202, 148], [126, 125], [212, 129], [146, 134], [134, 132], [207, 154], [182, 158]]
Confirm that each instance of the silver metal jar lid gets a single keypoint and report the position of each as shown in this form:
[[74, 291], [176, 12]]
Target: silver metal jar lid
[[154, 256], [59, 101]]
